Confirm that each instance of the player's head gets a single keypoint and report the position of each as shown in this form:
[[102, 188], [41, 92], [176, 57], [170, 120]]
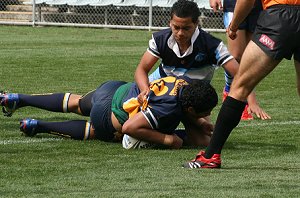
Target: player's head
[[185, 9], [199, 97], [184, 21]]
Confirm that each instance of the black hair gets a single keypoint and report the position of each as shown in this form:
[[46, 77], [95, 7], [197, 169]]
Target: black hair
[[184, 9], [200, 95]]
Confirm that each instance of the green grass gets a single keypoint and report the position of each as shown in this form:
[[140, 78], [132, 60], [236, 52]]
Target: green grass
[[260, 158]]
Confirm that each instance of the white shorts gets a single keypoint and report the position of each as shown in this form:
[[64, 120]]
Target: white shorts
[[227, 18]]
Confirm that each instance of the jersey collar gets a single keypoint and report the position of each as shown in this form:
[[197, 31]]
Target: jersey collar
[[172, 44]]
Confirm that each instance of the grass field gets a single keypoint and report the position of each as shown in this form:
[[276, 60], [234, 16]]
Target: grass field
[[260, 159]]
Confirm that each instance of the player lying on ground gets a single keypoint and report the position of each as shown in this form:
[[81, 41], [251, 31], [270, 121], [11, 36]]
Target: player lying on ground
[[114, 110]]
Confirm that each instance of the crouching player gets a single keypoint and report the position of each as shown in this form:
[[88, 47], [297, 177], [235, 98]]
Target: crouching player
[[114, 110]]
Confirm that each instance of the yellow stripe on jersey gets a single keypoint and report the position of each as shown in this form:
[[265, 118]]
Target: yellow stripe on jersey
[[164, 86], [131, 106]]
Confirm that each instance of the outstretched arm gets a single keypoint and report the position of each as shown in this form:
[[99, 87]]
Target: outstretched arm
[[141, 74], [139, 128], [198, 130], [241, 11]]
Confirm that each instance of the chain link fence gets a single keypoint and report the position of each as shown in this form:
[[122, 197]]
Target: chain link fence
[[127, 14]]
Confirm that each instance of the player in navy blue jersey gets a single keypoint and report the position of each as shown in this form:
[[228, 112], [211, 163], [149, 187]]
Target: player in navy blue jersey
[[236, 47], [184, 49], [114, 110]]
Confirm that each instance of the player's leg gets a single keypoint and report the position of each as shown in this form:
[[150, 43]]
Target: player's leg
[[56, 102], [75, 129], [252, 70], [260, 58], [297, 67], [101, 112], [236, 47]]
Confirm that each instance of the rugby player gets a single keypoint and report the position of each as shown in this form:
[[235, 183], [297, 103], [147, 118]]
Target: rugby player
[[237, 46], [114, 110], [277, 36], [186, 50]]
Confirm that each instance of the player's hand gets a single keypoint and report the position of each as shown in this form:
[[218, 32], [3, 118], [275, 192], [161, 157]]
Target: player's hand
[[259, 112], [231, 33], [216, 5], [177, 142], [143, 96], [207, 128]]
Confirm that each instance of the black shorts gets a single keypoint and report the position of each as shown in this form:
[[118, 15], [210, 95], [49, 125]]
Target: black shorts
[[101, 110], [278, 32]]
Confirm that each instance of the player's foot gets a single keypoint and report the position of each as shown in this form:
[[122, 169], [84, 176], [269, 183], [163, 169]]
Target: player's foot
[[201, 162], [246, 115], [28, 127], [9, 103]]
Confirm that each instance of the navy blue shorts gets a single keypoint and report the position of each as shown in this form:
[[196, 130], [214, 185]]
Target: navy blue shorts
[[249, 24], [278, 32], [101, 110]]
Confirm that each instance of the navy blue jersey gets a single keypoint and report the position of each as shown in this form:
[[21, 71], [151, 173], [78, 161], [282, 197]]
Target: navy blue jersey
[[161, 109], [198, 62]]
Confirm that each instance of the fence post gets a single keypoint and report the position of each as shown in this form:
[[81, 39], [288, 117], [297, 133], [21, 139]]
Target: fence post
[[33, 13], [150, 15]]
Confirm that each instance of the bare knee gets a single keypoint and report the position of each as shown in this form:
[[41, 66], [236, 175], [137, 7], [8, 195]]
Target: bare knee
[[73, 103]]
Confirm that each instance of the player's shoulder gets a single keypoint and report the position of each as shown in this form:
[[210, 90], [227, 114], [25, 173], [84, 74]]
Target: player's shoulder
[[162, 35]]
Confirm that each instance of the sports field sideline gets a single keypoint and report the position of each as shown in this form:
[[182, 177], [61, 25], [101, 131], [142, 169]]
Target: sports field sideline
[[260, 159]]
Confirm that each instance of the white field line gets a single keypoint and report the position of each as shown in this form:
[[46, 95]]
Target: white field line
[[29, 141], [267, 123], [263, 123], [241, 124]]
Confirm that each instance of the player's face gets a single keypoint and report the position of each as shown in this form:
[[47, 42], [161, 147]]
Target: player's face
[[191, 113], [182, 29]]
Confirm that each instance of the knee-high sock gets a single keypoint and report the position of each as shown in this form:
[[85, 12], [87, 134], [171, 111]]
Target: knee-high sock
[[76, 129], [228, 118], [57, 102]]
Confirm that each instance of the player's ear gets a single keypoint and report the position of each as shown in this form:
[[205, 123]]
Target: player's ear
[[191, 110]]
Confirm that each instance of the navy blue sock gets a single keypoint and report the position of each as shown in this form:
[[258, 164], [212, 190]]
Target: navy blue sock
[[56, 102], [76, 129], [228, 118]]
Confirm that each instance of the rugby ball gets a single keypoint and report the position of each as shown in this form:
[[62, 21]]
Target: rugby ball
[[129, 142]]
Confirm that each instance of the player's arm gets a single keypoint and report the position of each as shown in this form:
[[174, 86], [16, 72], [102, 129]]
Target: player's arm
[[139, 128], [198, 130], [141, 74], [241, 11]]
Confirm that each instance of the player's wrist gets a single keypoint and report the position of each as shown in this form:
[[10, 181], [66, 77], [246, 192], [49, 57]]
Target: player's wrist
[[168, 140], [173, 141], [232, 28]]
